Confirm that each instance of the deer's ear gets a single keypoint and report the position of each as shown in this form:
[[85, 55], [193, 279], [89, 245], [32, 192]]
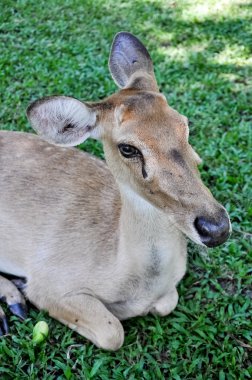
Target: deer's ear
[[63, 120], [130, 63]]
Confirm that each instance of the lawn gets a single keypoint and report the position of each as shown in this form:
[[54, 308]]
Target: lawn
[[202, 56]]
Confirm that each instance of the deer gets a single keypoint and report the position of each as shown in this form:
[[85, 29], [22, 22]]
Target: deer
[[98, 242]]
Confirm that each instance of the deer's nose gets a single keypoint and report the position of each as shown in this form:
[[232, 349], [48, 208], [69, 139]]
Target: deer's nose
[[213, 232]]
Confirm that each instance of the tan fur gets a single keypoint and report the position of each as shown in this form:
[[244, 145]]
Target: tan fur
[[98, 242]]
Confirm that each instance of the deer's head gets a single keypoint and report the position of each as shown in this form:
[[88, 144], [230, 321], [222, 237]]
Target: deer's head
[[145, 142]]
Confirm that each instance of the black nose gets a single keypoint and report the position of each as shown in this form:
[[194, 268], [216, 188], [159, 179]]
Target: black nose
[[213, 232]]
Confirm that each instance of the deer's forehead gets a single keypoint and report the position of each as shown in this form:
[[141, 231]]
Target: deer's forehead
[[150, 110], [143, 103], [150, 119]]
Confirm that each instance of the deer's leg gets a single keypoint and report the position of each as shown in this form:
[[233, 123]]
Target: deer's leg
[[4, 328], [88, 316], [15, 301], [165, 305]]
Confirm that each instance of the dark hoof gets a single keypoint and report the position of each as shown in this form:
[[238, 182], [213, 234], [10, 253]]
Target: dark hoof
[[19, 310], [20, 283], [4, 328]]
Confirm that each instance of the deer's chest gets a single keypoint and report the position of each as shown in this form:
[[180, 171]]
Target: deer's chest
[[143, 286]]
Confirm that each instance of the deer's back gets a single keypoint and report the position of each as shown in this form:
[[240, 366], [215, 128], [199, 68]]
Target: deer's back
[[53, 198]]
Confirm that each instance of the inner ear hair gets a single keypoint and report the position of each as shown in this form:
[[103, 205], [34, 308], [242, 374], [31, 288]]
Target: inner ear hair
[[62, 120], [69, 126]]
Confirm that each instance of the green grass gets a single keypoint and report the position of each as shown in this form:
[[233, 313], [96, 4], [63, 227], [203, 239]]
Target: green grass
[[202, 56]]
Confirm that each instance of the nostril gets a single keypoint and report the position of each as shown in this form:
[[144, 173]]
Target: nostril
[[202, 226]]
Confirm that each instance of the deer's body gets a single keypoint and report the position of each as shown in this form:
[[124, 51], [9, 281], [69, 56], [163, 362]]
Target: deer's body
[[138, 257], [97, 243]]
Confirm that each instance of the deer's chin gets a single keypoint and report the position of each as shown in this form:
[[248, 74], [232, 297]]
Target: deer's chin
[[188, 232], [193, 236], [195, 239]]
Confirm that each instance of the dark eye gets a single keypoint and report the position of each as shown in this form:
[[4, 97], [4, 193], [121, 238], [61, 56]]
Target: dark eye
[[129, 151]]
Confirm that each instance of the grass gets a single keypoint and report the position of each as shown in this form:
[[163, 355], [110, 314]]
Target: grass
[[202, 55]]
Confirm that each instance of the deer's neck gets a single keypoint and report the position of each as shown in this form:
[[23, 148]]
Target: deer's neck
[[145, 230]]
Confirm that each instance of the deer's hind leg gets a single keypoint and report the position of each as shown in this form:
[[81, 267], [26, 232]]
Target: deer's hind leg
[[15, 301], [86, 315]]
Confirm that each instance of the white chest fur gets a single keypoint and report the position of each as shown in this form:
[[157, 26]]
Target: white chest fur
[[151, 260]]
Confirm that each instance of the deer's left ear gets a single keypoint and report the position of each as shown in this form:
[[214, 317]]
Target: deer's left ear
[[130, 63], [63, 120]]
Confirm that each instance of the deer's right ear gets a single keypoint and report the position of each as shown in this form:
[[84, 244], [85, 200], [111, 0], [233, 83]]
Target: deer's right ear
[[63, 120]]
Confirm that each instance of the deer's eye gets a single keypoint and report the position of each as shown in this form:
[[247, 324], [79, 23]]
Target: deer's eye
[[129, 151]]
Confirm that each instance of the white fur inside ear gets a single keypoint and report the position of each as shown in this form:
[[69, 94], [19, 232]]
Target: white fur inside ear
[[62, 120]]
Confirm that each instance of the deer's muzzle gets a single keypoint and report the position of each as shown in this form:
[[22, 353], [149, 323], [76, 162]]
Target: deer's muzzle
[[213, 232]]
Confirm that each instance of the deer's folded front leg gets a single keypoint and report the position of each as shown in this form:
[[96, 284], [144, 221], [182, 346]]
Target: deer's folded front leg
[[15, 301], [165, 305], [88, 316]]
